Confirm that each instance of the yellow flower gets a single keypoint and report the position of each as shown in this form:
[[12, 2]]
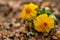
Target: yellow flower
[[43, 23], [29, 11]]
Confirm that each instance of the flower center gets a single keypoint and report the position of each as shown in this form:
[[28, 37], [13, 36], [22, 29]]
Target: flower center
[[45, 24], [28, 9]]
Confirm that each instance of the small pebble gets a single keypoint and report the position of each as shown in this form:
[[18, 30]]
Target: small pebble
[[54, 37]]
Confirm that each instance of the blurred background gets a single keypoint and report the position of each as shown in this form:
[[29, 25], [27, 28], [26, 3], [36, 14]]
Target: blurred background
[[13, 27]]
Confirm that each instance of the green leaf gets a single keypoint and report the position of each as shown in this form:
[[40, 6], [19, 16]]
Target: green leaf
[[33, 31], [32, 28], [47, 10], [54, 16], [56, 19], [43, 10], [30, 20]]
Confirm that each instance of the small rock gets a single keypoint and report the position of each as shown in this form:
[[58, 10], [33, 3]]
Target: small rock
[[54, 37], [58, 34], [56, 26], [16, 24], [16, 34], [44, 4], [14, 4], [3, 1]]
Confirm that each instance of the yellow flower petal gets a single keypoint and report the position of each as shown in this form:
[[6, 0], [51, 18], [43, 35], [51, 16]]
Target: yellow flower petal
[[43, 23], [33, 6], [29, 11]]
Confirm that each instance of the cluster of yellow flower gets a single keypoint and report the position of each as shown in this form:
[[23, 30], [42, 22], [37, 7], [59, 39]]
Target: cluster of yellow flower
[[42, 23], [29, 11]]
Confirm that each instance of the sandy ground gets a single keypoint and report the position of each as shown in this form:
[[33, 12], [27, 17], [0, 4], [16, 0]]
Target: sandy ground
[[13, 27]]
